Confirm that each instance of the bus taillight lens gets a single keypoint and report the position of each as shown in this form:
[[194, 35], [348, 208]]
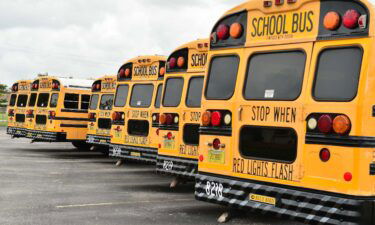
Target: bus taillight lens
[[127, 72], [223, 32], [169, 119], [162, 71], [55, 86], [180, 62], [206, 118], [92, 116], [216, 119], [172, 63], [348, 176], [97, 86], [350, 19], [163, 119], [341, 124], [169, 136], [116, 116], [121, 73], [325, 124], [312, 123], [216, 144], [236, 30], [332, 20], [52, 114], [325, 155]]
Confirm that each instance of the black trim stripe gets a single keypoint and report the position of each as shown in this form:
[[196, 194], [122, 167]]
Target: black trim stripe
[[222, 131], [75, 110], [72, 119], [74, 125], [347, 141]]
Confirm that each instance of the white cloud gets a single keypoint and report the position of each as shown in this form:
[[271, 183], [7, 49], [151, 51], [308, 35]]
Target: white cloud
[[90, 38]]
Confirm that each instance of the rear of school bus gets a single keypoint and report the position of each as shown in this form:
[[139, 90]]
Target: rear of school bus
[[289, 107], [180, 112], [31, 106], [137, 139], [17, 108], [101, 103], [61, 113]]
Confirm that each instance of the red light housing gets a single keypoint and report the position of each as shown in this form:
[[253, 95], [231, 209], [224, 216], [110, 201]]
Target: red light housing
[[52, 114], [97, 86], [325, 155], [223, 32], [157, 132], [181, 61], [169, 136], [267, 3], [325, 124], [55, 86], [216, 118], [348, 176], [116, 116], [169, 119], [172, 63], [201, 158], [279, 2], [121, 73], [216, 144], [236, 30], [350, 19]]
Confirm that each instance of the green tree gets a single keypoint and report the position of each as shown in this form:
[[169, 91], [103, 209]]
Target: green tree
[[3, 92]]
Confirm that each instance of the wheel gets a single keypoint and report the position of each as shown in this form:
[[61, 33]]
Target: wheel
[[81, 145]]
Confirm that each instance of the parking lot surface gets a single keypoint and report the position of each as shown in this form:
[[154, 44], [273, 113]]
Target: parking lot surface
[[45, 183]]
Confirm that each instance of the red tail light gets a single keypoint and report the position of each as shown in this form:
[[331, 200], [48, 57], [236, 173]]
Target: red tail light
[[181, 61], [169, 119], [55, 86], [169, 136], [348, 176], [201, 158], [216, 118], [279, 2], [92, 116], [267, 3], [121, 73], [116, 116], [223, 32], [11, 111], [216, 144], [157, 132], [325, 124], [172, 63], [97, 86], [325, 155], [52, 114], [350, 19]]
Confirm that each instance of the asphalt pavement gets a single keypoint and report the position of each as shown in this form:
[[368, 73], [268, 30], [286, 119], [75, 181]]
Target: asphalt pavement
[[49, 183]]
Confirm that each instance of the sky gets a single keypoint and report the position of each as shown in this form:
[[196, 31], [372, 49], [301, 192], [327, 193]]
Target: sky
[[91, 38]]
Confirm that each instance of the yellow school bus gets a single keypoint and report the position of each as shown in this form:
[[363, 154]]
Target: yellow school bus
[[61, 113], [102, 97], [17, 108], [180, 112], [288, 109], [32, 106], [134, 133]]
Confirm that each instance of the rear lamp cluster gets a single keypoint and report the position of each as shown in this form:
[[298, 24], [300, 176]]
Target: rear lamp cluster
[[92, 116], [327, 123], [177, 62], [96, 87], [30, 112], [268, 3], [216, 118], [11, 112], [52, 114], [117, 116], [35, 86], [55, 85], [169, 119], [124, 73], [224, 31], [155, 118], [351, 19], [15, 88]]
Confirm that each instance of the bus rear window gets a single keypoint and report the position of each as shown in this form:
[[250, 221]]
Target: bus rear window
[[141, 95], [222, 77], [173, 92], [158, 96], [94, 102], [12, 100], [275, 76], [54, 100], [22, 100], [33, 99], [106, 102], [43, 100], [337, 74], [194, 94], [121, 95]]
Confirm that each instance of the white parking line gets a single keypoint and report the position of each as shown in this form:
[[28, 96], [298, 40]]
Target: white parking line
[[121, 203]]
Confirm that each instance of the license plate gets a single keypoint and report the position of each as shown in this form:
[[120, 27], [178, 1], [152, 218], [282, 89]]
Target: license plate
[[262, 199], [135, 154], [216, 156], [169, 144]]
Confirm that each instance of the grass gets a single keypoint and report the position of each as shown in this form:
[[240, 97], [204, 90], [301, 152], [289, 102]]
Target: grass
[[3, 120]]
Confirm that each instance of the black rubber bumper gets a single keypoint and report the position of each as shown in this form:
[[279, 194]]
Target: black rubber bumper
[[46, 136], [178, 167], [98, 140], [302, 205], [147, 155], [16, 132]]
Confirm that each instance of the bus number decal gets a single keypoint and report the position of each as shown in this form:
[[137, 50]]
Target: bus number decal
[[283, 25], [189, 150], [140, 114], [257, 168], [214, 189], [280, 114], [168, 165]]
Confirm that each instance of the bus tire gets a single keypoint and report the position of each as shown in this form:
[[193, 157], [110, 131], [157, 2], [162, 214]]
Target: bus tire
[[81, 145]]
